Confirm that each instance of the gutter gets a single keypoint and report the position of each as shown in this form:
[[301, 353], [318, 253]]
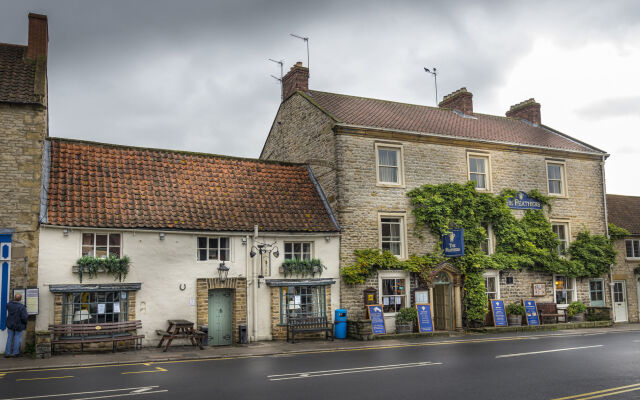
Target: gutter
[[324, 198]]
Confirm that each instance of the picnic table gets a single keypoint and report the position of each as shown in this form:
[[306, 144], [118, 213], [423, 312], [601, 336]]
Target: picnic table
[[180, 329]]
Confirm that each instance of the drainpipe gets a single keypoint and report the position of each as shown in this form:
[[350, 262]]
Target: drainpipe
[[254, 289]]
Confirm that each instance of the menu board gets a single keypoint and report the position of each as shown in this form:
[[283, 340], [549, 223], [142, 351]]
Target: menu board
[[499, 316], [425, 323], [531, 311], [33, 301], [377, 319]]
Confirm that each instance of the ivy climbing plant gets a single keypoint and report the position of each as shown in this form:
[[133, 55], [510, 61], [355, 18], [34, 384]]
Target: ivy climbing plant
[[527, 242]]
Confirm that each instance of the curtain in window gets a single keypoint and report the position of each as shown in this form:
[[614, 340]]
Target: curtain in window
[[391, 235], [388, 164], [555, 178]]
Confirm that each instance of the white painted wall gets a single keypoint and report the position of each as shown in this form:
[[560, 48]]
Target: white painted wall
[[162, 265]]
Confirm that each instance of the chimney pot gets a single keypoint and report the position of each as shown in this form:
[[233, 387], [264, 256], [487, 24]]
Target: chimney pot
[[528, 110], [38, 36], [296, 79], [460, 100]]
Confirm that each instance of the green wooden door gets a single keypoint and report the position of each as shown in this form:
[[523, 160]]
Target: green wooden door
[[220, 317]]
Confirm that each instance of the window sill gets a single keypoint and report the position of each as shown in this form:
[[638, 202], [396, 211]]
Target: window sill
[[558, 196], [391, 185]]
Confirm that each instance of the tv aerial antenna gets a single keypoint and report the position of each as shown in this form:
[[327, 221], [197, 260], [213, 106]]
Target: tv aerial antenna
[[281, 63], [306, 40], [435, 79]]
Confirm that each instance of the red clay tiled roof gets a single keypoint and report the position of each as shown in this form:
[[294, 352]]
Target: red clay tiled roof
[[624, 211], [375, 113], [17, 75], [101, 185]]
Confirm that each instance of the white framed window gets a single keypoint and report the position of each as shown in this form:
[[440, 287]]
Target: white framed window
[[302, 301], [213, 248], [392, 234], [394, 290], [101, 245], [596, 292], [492, 284], [564, 289], [561, 229], [299, 250], [479, 170], [556, 181], [633, 248], [488, 245], [389, 164]]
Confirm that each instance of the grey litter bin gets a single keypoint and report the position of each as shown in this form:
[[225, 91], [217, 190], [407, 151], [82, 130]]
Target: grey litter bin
[[205, 339], [242, 334]]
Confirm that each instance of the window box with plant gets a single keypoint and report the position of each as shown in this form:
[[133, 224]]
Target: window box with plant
[[405, 319], [576, 311], [118, 267], [515, 312], [302, 267]]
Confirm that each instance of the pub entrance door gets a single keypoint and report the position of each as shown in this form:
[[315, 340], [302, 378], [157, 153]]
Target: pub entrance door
[[442, 302], [220, 308]]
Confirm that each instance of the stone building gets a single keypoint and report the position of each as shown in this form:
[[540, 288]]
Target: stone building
[[368, 153], [23, 130], [624, 211], [184, 219]]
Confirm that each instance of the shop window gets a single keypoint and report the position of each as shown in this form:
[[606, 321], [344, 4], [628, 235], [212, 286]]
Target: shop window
[[297, 250], [596, 292], [95, 307], [213, 248], [556, 179], [492, 284], [633, 248], [479, 171], [391, 235], [394, 294], [564, 289], [389, 164], [302, 301], [101, 244]]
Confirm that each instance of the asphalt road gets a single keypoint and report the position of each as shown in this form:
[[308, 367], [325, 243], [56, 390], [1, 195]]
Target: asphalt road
[[576, 366]]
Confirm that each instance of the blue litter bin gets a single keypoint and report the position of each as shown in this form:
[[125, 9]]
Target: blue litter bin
[[340, 323]]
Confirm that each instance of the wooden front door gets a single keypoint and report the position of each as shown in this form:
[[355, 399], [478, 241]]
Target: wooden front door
[[442, 307], [220, 309]]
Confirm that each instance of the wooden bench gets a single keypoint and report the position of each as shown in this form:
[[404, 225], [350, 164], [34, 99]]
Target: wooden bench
[[113, 332], [550, 310], [308, 324]]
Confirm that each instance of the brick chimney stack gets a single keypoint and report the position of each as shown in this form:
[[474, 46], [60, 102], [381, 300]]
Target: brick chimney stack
[[38, 36], [460, 100], [528, 110], [296, 79]]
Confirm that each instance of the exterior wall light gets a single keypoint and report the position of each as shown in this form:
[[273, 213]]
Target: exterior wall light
[[265, 250], [65, 232], [223, 271], [162, 235]]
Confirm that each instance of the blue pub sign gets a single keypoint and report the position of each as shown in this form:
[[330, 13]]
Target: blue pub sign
[[453, 243], [522, 201]]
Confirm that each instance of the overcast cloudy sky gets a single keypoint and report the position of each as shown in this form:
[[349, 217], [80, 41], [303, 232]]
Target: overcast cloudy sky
[[194, 75]]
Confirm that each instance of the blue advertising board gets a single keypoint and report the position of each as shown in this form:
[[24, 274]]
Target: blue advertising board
[[499, 316], [425, 323], [453, 243], [377, 319], [522, 201], [531, 311]]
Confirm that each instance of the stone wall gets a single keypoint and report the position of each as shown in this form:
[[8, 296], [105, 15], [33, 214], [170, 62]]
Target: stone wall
[[624, 270]]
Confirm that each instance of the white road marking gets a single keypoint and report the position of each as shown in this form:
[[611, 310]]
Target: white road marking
[[131, 392], [547, 351], [313, 374]]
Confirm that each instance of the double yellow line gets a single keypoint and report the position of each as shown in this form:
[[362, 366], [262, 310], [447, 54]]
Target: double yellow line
[[602, 393]]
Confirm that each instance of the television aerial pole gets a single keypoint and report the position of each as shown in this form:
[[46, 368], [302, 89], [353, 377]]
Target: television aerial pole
[[281, 63], [435, 80], [306, 39]]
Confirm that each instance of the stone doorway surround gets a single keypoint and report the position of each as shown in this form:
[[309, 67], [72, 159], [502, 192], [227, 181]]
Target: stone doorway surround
[[455, 280], [238, 303]]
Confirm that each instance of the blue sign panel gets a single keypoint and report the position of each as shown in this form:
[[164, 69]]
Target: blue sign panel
[[532, 312], [425, 323], [453, 243], [499, 316], [377, 319], [522, 201]]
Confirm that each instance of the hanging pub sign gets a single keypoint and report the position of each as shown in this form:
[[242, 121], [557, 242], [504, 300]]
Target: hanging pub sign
[[453, 243], [499, 316], [425, 323], [531, 311], [522, 201], [377, 319]]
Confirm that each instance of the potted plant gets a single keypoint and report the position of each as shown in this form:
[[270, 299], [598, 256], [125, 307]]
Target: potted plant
[[576, 311], [515, 312], [405, 318]]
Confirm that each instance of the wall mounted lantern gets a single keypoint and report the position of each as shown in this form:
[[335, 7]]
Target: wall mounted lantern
[[223, 271], [265, 250]]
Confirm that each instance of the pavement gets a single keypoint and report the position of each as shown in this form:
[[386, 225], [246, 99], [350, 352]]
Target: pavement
[[267, 348]]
